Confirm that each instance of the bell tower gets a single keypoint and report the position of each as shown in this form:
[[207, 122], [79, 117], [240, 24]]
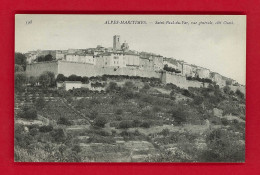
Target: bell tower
[[116, 43]]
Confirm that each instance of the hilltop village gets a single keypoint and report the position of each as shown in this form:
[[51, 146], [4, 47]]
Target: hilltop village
[[120, 60], [119, 105]]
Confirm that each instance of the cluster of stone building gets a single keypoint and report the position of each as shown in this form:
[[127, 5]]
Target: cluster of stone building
[[119, 56]]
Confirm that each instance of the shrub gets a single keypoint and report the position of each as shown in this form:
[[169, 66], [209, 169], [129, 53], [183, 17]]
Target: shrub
[[100, 121], [129, 85], [198, 100], [40, 103], [146, 87], [112, 87], [64, 121], [118, 118], [240, 94], [93, 114], [127, 93], [113, 132], [180, 115], [165, 132], [28, 113], [227, 89], [186, 93], [69, 99], [20, 80], [76, 148], [33, 131], [224, 121], [136, 123], [125, 124], [147, 113], [32, 80], [47, 128], [223, 146], [156, 109], [59, 135], [119, 112], [145, 124]]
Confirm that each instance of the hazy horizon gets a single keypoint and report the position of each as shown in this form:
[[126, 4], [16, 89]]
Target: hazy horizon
[[220, 48]]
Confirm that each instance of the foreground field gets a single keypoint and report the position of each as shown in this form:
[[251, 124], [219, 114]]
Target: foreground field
[[130, 122]]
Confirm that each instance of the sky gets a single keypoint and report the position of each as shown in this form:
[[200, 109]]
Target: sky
[[216, 42]]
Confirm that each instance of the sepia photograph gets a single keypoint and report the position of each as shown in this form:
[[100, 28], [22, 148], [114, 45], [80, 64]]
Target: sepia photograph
[[129, 88]]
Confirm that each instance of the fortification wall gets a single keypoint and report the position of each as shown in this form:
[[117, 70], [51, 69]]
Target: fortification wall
[[36, 69], [69, 68], [81, 69], [84, 69], [180, 81]]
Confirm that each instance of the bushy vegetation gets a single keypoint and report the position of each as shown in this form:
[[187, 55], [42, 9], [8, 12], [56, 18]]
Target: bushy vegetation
[[85, 125], [170, 69], [28, 112], [48, 57], [204, 80], [223, 146]]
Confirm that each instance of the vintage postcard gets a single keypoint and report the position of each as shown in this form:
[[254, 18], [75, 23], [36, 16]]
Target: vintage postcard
[[130, 88]]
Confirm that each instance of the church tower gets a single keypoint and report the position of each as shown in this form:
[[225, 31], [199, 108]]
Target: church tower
[[116, 43]]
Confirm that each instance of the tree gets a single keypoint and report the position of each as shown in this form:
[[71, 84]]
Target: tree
[[112, 87], [20, 80], [52, 78], [32, 80], [45, 80], [20, 59], [40, 103], [42, 58], [100, 121], [74, 77], [180, 115], [18, 68], [240, 94], [85, 80], [198, 100], [124, 124], [186, 93], [48, 57], [60, 78], [227, 89]]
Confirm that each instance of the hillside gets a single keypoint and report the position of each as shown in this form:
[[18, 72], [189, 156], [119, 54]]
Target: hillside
[[130, 120]]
